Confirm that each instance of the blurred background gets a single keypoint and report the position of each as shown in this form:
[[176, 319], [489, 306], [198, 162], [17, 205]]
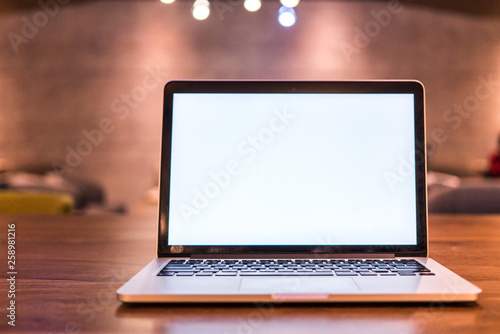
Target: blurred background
[[81, 81]]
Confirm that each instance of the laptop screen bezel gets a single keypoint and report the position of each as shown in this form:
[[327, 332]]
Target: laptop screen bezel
[[381, 87]]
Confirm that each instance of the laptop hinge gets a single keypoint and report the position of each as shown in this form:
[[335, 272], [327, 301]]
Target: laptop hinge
[[291, 256]]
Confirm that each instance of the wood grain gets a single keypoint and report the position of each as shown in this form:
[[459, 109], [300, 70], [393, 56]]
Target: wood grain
[[70, 267]]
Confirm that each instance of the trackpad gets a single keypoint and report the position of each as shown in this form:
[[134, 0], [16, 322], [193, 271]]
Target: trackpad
[[291, 284]]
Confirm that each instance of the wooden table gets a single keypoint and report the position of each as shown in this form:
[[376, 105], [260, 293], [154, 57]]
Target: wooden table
[[69, 267]]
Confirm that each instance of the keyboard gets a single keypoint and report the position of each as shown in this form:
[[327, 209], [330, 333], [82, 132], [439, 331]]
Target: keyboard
[[300, 267]]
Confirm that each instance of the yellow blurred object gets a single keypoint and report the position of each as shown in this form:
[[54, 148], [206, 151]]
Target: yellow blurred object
[[35, 202]]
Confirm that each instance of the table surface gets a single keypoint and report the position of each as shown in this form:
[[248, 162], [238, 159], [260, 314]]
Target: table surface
[[69, 267]]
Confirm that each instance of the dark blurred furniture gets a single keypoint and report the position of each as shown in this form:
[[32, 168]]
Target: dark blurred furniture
[[31, 193], [473, 195], [35, 202]]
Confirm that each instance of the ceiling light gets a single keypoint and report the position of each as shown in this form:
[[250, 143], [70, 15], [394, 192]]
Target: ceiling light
[[287, 16], [167, 1], [252, 5], [201, 9], [290, 3]]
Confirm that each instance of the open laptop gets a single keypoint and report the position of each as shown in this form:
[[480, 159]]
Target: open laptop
[[280, 191]]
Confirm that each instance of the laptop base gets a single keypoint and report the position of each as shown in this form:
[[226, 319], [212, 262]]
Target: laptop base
[[445, 287]]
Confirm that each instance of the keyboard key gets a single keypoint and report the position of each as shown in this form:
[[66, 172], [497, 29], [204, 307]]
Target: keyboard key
[[278, 273], [257, 266], [404, 272], [178, 265], [229, 273], [346, 274], [185, 273], [187, 270]]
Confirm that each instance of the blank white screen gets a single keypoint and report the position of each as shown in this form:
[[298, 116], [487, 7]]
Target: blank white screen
[[292, 169]]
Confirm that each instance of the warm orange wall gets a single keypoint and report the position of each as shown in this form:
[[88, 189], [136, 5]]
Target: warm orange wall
[[71, 74]]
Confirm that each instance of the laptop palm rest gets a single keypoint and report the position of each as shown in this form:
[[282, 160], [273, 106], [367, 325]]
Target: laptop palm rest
[[197, 285], [298, 285]]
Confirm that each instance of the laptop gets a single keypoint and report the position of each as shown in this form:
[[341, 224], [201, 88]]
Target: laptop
[[287, 191]]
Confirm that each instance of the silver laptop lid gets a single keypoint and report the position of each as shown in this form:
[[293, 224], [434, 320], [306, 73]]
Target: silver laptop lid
[[258, 167]]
